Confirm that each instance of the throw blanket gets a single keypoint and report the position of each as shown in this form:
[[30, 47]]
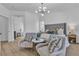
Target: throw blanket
[[58, 45], [53, 44]]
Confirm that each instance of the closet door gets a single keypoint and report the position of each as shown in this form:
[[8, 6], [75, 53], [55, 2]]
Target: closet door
[[3, 28]]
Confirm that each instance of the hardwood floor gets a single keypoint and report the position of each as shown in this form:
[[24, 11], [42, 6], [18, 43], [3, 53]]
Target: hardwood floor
[[12, 49], [0, 48], [73, 50]]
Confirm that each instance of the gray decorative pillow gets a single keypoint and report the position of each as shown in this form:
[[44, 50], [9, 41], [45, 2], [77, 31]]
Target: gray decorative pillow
[[28, 37]]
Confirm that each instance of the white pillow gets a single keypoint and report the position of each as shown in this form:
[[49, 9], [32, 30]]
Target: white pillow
[[60, 31]]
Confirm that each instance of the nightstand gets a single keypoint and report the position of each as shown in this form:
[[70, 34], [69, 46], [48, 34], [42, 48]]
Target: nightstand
[[72, 38]]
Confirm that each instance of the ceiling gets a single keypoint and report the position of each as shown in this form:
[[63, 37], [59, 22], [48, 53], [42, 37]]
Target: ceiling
[[31, 7], [25, 6]]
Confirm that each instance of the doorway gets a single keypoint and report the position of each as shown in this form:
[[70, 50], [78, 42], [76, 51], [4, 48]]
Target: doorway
[[18, 25]]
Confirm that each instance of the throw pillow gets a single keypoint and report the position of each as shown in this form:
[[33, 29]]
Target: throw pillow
[[28, 37], [60, 31], [52, 44]]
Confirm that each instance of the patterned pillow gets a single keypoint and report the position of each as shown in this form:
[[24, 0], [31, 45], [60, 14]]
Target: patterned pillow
[[52, 44], [28, 38]]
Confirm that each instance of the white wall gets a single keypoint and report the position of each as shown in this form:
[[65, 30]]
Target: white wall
[[55, 17], [18, 23], [3, 28], [17, 13], [31, 22], [4, 11], [5, 17]]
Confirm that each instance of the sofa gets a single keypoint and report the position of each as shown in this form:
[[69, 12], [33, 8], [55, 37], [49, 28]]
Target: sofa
[[54, 45]]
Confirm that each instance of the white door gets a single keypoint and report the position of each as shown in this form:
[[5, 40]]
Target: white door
[[3, 28]]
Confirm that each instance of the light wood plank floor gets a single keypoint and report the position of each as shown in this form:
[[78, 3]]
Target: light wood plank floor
[[12, 49], [0, 48], [73, 50]]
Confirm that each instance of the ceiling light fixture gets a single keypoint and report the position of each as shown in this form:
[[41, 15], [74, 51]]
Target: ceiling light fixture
[[42, 10]]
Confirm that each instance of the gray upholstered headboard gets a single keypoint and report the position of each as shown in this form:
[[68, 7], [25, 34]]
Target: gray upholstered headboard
[[54, 27]]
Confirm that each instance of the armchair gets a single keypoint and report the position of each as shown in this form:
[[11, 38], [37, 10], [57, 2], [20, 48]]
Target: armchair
[[27, 42]]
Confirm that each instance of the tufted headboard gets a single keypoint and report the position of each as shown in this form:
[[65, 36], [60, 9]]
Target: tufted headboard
[[54, 27]]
